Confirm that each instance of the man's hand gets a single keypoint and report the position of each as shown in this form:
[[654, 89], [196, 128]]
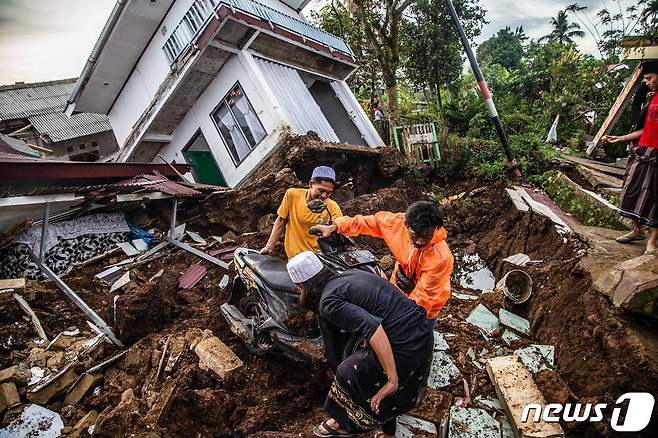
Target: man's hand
[[388, 390], [326, 230], [266, 250], [611, 139]]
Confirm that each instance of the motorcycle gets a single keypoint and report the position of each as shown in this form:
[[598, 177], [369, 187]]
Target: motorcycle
[[264, 311]]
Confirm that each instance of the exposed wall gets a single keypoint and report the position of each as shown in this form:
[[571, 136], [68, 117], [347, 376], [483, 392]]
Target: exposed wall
[[237, 68], [105, 140], [336, 114], [152, 69]]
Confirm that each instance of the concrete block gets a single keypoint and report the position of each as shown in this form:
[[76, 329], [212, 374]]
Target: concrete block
[[216, 356], [17, 284], [8, 396], [86, 382], [516, 388], [81, 428]]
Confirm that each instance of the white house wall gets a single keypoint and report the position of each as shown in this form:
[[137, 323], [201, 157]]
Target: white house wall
[[152, 68], [199, 117]]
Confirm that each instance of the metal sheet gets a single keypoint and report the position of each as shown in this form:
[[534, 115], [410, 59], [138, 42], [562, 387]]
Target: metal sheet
[[297, 102], [60, 127], [356, 113], [24, 100]]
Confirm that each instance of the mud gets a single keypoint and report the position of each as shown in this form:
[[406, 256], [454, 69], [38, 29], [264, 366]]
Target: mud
[[600, 352]]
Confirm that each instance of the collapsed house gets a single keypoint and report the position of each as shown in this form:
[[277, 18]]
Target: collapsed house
[[218, 84], [33, 113]]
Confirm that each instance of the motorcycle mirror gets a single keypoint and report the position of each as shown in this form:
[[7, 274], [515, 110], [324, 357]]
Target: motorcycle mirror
[[316, 206]]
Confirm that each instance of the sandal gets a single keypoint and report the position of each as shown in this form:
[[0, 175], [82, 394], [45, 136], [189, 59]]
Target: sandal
[[330, 431], [630, 239], [650, 252]]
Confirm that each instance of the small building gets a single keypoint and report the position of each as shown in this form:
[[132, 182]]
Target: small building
[[218, 83], [34, 113]]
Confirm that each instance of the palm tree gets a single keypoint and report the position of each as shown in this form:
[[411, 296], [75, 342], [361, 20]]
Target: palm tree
[[563, 31]]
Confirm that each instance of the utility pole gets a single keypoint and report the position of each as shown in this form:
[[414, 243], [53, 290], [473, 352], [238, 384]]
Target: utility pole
[[486, 95]]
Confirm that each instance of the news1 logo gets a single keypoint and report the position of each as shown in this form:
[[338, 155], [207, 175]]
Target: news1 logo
[[638, 412]]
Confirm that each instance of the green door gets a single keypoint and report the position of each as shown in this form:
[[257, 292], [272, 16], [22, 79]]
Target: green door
[[204, 168]]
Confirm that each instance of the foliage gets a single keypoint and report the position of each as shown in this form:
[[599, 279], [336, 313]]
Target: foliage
[[563, 31], [505, 48]]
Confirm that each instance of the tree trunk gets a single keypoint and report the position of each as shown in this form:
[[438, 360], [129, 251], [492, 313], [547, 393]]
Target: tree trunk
[[392, 95]]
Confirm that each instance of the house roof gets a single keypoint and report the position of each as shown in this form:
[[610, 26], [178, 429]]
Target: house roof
[[60, 127], [20, 101]]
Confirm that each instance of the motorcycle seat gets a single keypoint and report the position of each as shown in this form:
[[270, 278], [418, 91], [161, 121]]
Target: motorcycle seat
[[271, 270]]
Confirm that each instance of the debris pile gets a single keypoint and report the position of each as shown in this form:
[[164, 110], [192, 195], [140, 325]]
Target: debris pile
[[182, 372]]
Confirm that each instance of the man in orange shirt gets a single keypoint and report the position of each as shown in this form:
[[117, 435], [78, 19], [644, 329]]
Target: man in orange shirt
[[417, 240]]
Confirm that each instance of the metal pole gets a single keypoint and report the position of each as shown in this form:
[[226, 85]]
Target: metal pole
[[44, 232], [174, 209], [486, 95]]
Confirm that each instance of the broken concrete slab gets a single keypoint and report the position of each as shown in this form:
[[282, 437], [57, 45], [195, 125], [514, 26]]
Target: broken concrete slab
[[509, 337], [14, 284], [516, 389], [471, 355], [442, 371], [197, 237], [128, 249], [482, 318], [434, 407], [439, 342], [8, 396], [82, 427], [110, 275], [537, 357], [408, 426], [81, 387], [464, 296], [216, 356], [514, 321], [53, 387], [121, 282], [472, 423], [632, 285], [35, 421], [517, 200]]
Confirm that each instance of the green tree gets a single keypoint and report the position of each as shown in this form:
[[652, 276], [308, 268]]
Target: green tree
[[433, 55], [505, 48], [564, 31]]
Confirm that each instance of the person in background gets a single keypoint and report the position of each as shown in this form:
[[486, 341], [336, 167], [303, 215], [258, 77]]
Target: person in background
[[639, 195], [417, 240], [387, 375], [302, 209]]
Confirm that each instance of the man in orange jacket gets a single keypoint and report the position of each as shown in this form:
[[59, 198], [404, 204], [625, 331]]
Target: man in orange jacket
[[417, 240]]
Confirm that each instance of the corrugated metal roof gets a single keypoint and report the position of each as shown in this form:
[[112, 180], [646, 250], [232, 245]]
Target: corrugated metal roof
[[60, 127], [22, 101]]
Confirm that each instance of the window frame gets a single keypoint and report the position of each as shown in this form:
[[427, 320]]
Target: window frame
[[215, 110]]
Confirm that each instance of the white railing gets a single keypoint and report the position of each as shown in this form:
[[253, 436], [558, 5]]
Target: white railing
[[197, 17]]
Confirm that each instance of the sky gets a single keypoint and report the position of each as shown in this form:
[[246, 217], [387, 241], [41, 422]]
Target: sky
[[43, 40]]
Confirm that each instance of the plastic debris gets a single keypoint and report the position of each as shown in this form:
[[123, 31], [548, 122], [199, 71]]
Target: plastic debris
[[513, 321], [406, 425], [472, 423], [482, 318], [509, 337], [197, 237], [443, 370], [35, 421], [140, 245], [537, 357], [440, 342]]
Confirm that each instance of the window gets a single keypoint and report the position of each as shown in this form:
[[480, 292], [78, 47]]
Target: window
[[238, 124], [83, 146]]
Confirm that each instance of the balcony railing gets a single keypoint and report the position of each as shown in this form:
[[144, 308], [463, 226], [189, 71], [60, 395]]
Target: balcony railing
[[201, 11]]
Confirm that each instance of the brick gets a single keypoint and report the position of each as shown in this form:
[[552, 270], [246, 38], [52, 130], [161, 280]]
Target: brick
[[81, 428], [82, 387], [216, 356], [18, 374], [57, 386], [8, 396]]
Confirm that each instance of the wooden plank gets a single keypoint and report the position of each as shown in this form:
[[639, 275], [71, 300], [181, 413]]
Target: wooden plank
[[598, 179], [33, 316], [516, 389], [13, 284], [601, 167], [518, 201], [618, 108]]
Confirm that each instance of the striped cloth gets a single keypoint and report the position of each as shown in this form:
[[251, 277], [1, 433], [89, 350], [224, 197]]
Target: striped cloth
[[639, 196]]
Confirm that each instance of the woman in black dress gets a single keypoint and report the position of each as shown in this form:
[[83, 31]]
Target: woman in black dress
[[385, 376]]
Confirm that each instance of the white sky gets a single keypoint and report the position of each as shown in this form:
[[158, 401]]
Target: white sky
[[44, 40]]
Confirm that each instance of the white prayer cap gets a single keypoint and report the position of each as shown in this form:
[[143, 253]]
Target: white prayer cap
[[304, 266]]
